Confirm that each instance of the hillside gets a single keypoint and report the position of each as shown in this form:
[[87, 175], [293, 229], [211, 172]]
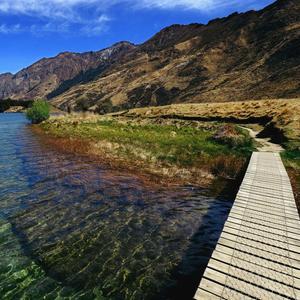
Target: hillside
[[52, 75], [253, 55]]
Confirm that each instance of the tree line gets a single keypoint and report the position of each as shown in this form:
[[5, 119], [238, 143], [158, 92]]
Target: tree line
[[8, 103]]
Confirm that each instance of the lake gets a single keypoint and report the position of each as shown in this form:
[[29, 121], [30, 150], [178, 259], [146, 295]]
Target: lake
[[71, 229]]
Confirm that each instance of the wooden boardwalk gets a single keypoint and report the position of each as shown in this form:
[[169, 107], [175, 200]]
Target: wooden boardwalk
[[258, 253]]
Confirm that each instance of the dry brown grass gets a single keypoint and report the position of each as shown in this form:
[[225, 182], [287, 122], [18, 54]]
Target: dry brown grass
[[283, 113]]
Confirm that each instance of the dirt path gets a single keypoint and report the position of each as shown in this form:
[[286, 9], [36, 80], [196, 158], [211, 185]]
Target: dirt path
[[264, 144]]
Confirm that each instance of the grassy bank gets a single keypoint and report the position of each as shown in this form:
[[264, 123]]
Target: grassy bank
[[192, 152], [291, 159], [189, 143], [278, 118]]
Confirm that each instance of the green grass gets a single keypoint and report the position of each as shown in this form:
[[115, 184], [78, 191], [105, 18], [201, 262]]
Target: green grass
[[181, 146], [291, 159]]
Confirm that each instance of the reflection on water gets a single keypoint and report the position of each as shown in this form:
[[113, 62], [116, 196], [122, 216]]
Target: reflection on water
[[70, 229]]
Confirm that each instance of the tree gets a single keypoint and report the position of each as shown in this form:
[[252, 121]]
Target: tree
[[39, 112]]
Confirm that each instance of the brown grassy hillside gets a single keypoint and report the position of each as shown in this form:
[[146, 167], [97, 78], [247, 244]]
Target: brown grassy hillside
[[281, 116], [253, 55]]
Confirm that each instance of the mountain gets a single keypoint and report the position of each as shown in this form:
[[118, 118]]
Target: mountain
[[48, 74], [252, 55], [245, 56], [5, 84]]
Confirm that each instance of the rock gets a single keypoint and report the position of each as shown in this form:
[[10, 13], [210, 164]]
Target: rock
[[173, 133]]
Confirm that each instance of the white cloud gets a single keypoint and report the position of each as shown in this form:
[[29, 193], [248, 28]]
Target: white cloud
[[97, 26], [169, 4], [52, 9], [201, 5], [55, 16], [90, 17], [7, 29], [67, 8]]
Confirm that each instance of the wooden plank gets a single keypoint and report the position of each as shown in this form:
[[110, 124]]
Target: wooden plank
[[286, 212], [274, 234], [249, 249], [283, 242], [266, 211], [264, 226], [246, 289], [258, 245], [245, 276], [258, 267], [258, 252], [205, 295], [264, 216], [270, 202], [262, 261]]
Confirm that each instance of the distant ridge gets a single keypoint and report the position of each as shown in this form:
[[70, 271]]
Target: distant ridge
[[48, 74]]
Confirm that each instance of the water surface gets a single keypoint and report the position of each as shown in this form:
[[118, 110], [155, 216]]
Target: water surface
[[70, 229]]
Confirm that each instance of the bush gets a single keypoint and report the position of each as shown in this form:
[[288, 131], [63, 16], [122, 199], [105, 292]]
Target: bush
[[105, 107], [82, 103], [39, 112], [233, 136]]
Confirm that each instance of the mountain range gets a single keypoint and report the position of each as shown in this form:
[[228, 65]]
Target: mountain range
[[246, 56]]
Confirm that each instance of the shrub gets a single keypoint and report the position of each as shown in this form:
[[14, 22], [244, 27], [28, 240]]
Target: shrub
[[233, 137], [82, 103], [105, 107], [39, 112]]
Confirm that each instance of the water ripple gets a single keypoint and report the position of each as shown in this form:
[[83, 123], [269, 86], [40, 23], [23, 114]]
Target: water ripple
[[72, 230]]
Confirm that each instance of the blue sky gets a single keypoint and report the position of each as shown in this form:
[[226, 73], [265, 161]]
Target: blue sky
[[32, 29]]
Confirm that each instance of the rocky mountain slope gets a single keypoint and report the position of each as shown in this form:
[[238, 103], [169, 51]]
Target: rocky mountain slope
[[245, 56], [48, 74]]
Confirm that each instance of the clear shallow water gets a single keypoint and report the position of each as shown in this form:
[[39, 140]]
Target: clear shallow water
[[72, 230]]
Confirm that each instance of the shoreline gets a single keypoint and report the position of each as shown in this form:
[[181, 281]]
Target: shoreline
[[166, 149], [148, 175], [217, 186], [132, 155], [87, 149]]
